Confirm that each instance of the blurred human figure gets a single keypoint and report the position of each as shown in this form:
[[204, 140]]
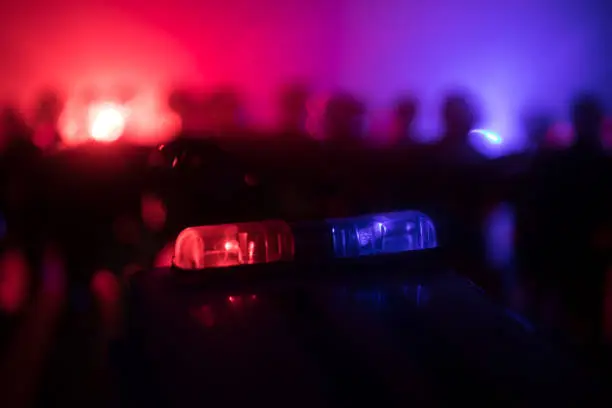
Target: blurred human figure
[[18, 155], [344, 119], [403, 120], [537, 127], [28, 345], [499, 230], [184, 105], [106, 289], [226, 111], [46, 118], [20, 179], [14, 281], [343, 128], [570, 203], [153, 212], [459, 118], [293, 144], [590, 194], [293, 110], [458, 178], [537, 154], [588, 119], [538, 147], [15, 135]]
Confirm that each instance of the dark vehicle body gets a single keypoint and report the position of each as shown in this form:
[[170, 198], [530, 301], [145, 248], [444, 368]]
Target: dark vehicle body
[[388, 331]]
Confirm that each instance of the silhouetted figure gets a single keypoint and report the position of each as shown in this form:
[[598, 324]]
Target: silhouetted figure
[[293, 110], [519, 164], [536, 156], [344, 121], [20, 176], [403, 119], [183, 103], [457, 182], [293, 145], [46, 117], [16, 152], [570, 201], [15, 136], [459, 118], [588, 117], [537, 126], [226, 111]]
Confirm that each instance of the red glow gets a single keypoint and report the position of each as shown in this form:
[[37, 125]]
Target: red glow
[[164, 257], [144, 119], [44, 136], [153, 212], [151, 47], [233, 244], [106, 122], [251, 250], [105, 287], [253, 297], [204, 315], [14, 281], [231, 299]]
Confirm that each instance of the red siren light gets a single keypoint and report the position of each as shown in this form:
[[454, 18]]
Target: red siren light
[[233, 244]]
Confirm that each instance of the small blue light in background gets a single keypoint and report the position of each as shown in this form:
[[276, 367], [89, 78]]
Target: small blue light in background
[[489, 136], [384, 233], [488, 143]]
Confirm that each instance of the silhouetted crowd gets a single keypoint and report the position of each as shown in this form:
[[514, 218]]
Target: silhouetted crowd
[[117, 207]]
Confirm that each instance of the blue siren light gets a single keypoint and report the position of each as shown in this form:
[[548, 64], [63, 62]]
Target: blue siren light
[[384, 233], [227, 245]]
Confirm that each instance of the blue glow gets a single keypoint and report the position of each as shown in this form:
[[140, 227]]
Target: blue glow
[[384, 233], [495, 49], [499, 230], [489, 136], [488, 143], [418, 294], [371, 296]]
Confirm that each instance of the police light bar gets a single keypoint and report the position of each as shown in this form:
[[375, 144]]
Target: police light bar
[[384, 233], [234, 244]]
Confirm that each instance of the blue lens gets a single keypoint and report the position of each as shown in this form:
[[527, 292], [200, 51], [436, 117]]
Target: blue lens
[[384, 233]]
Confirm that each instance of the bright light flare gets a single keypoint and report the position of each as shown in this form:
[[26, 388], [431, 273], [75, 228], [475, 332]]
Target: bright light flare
[[490, 136], [146, 120], [106, 122], [488, 143]]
